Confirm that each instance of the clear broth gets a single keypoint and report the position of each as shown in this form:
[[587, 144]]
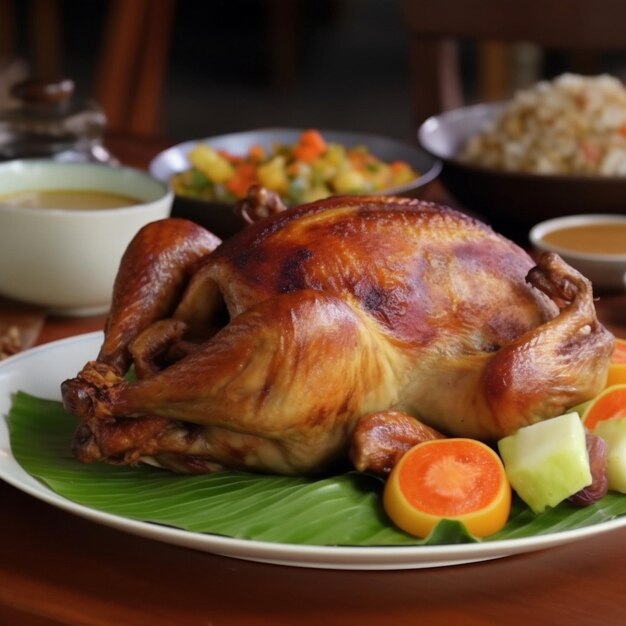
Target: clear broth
[[607, 238], [79, 199]]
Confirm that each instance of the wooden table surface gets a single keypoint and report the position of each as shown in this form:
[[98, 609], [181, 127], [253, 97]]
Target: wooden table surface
[[56, 568]]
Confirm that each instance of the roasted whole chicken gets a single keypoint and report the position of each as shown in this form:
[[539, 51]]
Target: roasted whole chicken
[[272, 351]]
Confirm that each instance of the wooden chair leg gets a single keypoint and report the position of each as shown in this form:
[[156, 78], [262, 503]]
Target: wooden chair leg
[[494, 71], [144, 116], [283, 39], [133, 62], [450, 83], [435, 75], [116, 67], [8, 34], [46, 39]]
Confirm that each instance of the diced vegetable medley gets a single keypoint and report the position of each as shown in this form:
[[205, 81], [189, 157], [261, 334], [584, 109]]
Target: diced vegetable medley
[[310, 169]]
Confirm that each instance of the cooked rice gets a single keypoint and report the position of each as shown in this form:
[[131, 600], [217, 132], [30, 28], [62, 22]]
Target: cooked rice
[[571, 125]]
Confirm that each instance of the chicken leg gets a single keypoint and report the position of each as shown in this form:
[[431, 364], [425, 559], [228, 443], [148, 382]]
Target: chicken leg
[[260, 389], [153, 273]]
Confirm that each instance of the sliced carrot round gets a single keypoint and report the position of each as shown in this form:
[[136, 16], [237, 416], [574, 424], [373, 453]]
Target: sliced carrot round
[[617, 374], [609, 404], [456, 479]]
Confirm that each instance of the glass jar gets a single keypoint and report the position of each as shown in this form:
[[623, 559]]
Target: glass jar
[[49, 122]]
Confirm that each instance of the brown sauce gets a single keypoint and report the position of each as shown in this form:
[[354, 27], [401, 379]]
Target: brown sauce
[[605, 238], [79, 199]]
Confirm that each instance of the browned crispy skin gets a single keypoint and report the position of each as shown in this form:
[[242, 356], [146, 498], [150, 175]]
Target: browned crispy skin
[[381, 439], [332, 311], [152, 277]]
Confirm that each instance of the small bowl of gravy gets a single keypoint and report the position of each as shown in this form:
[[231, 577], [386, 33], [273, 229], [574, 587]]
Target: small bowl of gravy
[[593, 244], [64, 227]]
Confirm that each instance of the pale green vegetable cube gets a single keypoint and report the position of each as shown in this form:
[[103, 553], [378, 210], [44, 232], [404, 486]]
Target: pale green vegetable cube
[[613, 431], [547, 462]]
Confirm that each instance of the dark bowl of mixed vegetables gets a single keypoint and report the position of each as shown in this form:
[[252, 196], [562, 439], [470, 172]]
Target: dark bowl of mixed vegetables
[[209, 176]]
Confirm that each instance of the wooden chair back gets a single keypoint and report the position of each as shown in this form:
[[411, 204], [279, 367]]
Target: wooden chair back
[[436, 26]]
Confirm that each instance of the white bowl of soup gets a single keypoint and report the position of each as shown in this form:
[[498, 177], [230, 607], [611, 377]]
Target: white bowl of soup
[[65, 226], [594, 244]]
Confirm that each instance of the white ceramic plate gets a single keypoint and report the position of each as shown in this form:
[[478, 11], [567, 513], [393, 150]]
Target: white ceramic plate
[[39, 372]]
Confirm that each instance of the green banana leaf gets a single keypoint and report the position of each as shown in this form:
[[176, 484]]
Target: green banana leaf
[[345, 509]]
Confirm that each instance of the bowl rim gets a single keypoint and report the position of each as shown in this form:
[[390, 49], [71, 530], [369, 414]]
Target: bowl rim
[[362, 137], [166, 193], [539, 230], [492, 109]]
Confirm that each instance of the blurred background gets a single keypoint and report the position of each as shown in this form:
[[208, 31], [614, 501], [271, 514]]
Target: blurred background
[[193, 68], [227, 65]]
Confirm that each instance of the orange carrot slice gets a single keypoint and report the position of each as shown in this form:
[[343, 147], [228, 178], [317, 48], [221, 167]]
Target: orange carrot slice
[[230, 157], [310, 146], [257, 153], [617, 374], [609, 404], [399, 166], [456, 479], [243, 178], [359, 159]]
